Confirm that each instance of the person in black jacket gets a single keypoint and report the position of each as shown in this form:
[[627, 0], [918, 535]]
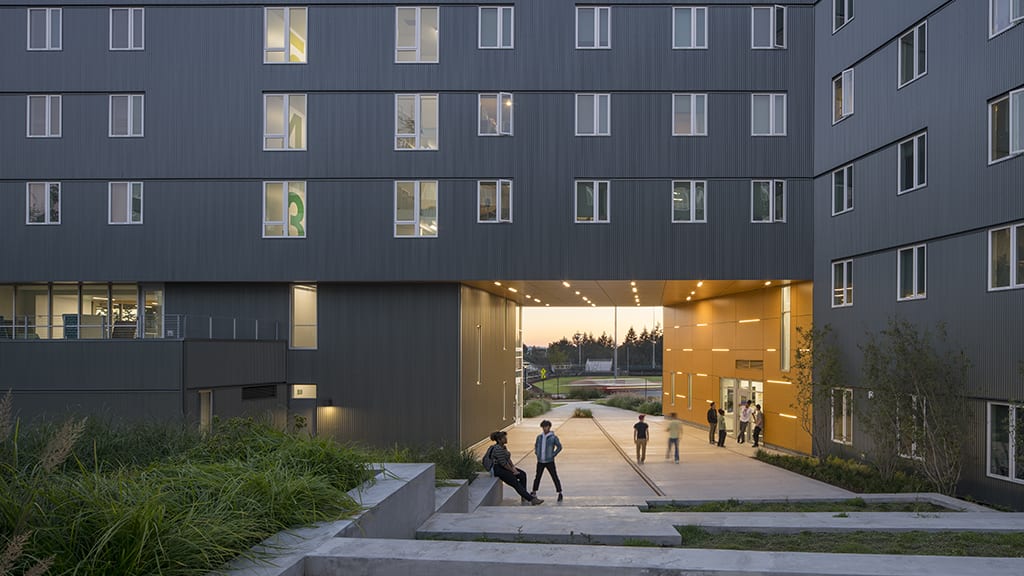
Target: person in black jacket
[[712, 423]]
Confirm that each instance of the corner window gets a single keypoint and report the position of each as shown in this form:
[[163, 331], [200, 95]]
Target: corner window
[[126, 115], [1004, 14], [842, 283], [416, 122], [416, 209], [44, 28], [593, 114], [284, 121], [913, 167], [688, 201], [303, 333], [689, 28], [497, 27], [125, 203], [42, 203], [1006, 257], [842, 190], [127, 28], [768, 27], [416, 35], [689, 114], [591, 202], [842, 89], [768, 201], [767, 114], [1006, 442], [593, 27], [1006, 126], [913, 54], [44, 116], [843, 13], [494, 200], [284, 209], [495, 114], [911, 273], [842, 415], [284, 36]]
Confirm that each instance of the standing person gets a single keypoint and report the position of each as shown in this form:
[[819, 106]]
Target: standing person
[[640, 439], [504, 469], [675, 428], [546, 447], [721, 428], [745, 414], [758, 424], [712, 423]]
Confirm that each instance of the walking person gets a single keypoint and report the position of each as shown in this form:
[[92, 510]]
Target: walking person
[[712, 423], [675, 429], [721, 428], [758, 424], [546, 447], [504, 469], [640, 439], [745, 414]]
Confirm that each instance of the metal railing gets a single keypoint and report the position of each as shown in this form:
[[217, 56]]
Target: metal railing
[[166, 327]]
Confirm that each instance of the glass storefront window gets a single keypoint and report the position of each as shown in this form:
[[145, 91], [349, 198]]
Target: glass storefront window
[[65, 311], [153, 324], [32, 311], [95, 311]]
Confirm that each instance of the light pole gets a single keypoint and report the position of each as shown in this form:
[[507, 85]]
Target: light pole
[[579, 349]]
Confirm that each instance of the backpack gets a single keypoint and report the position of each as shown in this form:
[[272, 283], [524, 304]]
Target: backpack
[[488, 459]]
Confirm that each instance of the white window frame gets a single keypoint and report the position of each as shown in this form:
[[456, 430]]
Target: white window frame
[[842, 86], [694, 29], [693, 202], [415, 222], [1014, 436], [417, 134], [919, 33], [131, 188], [774, 209], [595, 217], [919, 264], [774, 101], [48, 213], [847, 185], [847, 433], [286, 104], [842, 294], [1015, 9], [133, 100], [775, 11], [501, 111], [50, 43], [285, 210], [919, 142], [597, 98], [418, 48], [698, 110], [847, 14], [49, 101], [504, 13], [132, 32], [498, 205], [597, 27], [1015, 233], [1015, 124], [287, 48]]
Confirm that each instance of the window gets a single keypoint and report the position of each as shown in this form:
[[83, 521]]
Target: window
[[125, 203], [768, 114], [689, 28], [416, 122], [44, 29], [842, 190], [593, 116], [1006, 126], [284, 209], [284, 121], [1003, 14], [44, 116], [494, 199], [127, 28], [593, 27], [689, 114], [688, 201], [913, 163], [911, 273], [416, 209], [785, 320], [126, 115], [1006, 257], [842, 283], [591, 201], [689, 392], [303, 317], [497, 27], [416, 34], [911, 410], [768, 26], [496, 114], [842, 416], [843, 11], [842, 88], [1006, 441], [768, 201], [913, 54], [42, 204], [284, 35]]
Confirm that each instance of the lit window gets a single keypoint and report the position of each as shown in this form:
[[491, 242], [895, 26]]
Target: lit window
[[843, 11], [593, 115], [416, 122], [44, 28], [842, 89], [416, 34], [1006, 257], [842, 190], [495, 114], [416, 209], [497, 27], [842, 283], [768, 201], [768, 26], [689, 27], [127, 28], [42, 203], [284, 121], [784, 329], [768, 114], [593, 27], [591, 201], [688, 201], [125, 203], [912, 273], [1006, 126], [284, 35], [494, 199], [44, 116], [689, 114], [1003, 14], [1006, 441], [842, 415], [303, 331], [284, 209], [913, 167], [913, 54]]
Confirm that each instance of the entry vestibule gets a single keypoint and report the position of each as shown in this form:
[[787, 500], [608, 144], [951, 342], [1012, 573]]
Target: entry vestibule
[[733, 392]]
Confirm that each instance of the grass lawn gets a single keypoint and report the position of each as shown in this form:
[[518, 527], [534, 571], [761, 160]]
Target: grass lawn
[[560, 384], [852, 505]]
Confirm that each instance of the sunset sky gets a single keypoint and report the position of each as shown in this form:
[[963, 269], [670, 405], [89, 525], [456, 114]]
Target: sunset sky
[[541, 326]]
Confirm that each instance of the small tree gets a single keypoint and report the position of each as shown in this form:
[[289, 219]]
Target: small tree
[[816, 370]]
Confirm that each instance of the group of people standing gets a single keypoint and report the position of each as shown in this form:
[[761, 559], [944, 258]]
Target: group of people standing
[[748, 414]]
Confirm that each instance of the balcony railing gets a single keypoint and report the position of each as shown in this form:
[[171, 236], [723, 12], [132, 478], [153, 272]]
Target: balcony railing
[[166, 327]]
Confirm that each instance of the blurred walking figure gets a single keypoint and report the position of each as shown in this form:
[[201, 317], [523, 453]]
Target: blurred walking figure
[[640, 439], [546, 447], [675, 429]]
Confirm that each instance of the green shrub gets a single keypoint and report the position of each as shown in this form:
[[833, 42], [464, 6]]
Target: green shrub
[[535, 408], [849, 474], [451, 462], [585, 393], [582, 413], [653, 408], [624, 401]]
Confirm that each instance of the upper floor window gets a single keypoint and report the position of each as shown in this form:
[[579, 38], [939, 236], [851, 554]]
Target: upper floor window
[[842, 190], [593, 114], [912, 272], [125, 203], [593, 27], [842, 283], [913, 166], [497, 27], [416, 34], [126, 115], [689, 114], [842, 89], [416, 122], [284, 35], [591, 202], [43, 115], [689, 27], [1003, 14], [688, 201], [768, 26], [127, 28], [303, 329], [913, 54], [416, 209], [1006, 257], [42, 203], [494, 200], [843, 12], [495, 114], [284, 121], [768, 201], [768, 114], [1006, 126], [842, 415], [284, 209], [44, 28], [1005, 440]]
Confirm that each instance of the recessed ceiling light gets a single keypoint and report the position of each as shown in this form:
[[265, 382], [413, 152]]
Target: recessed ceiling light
[[511, 289], [688, 298], [496, 283], [566, 284], [632, 283], [699, 284], [634, 289], [537, 300], [768, 283], [577, 292], [693, 292]]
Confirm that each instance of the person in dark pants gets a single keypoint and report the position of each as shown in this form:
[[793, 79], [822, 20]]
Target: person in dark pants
[[546, 447], [758, 424], [504, 469], [640, 439], [721, 428], [712, 423]]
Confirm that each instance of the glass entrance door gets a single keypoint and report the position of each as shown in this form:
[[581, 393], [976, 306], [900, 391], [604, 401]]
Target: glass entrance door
[[733, 393]]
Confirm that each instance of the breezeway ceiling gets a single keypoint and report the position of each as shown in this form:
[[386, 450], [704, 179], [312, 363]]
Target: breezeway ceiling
[[616, 292]]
